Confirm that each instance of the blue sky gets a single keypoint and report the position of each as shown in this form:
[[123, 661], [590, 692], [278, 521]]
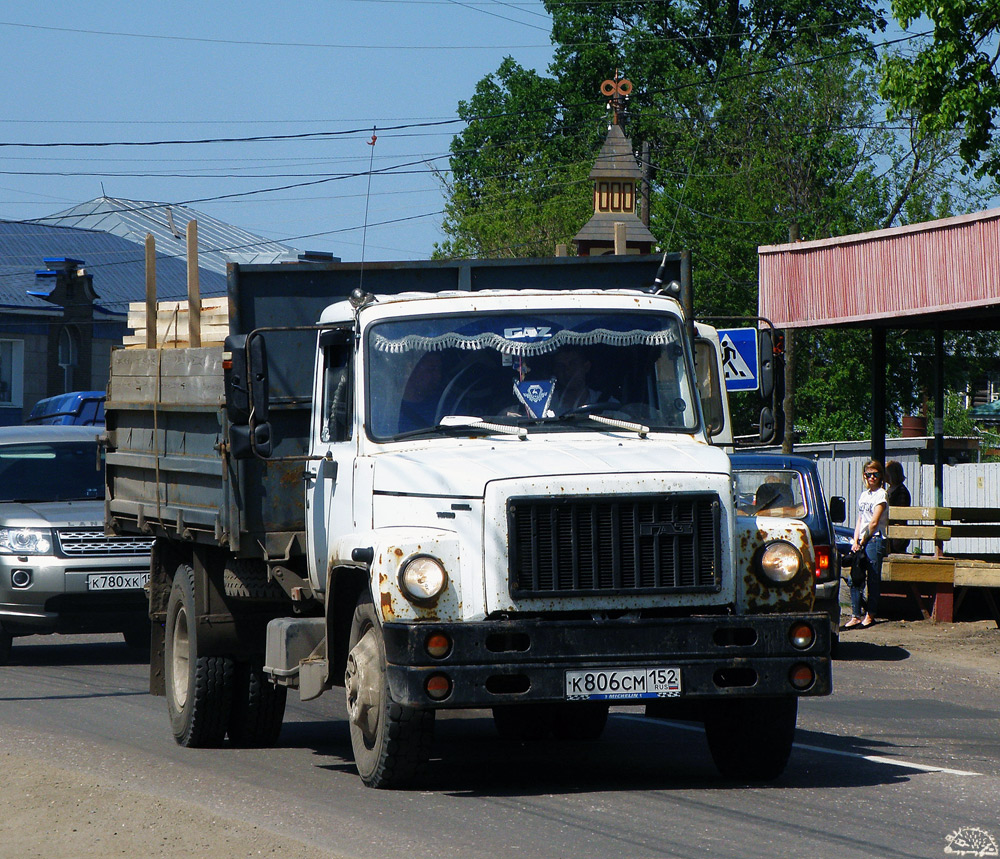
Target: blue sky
[[109, 71]]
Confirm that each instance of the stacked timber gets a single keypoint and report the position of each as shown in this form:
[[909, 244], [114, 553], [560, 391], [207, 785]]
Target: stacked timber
[[172, 329]]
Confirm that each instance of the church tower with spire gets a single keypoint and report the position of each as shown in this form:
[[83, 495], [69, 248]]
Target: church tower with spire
[[616, 177]]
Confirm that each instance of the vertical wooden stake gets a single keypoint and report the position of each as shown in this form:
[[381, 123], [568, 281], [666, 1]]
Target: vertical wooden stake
[[194, 287], [150, 291], [620, 247]]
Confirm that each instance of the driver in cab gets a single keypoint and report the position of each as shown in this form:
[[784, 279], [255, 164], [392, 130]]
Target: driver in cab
[[418, 409]]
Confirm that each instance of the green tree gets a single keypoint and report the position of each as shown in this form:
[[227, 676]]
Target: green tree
[[758, 115], [518, 183], [951, 82]]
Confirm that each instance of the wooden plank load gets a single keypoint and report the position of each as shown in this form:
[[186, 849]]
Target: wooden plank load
[[172, 324]]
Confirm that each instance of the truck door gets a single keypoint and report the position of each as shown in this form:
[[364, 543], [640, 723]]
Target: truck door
[[330, 478], [711, 385]]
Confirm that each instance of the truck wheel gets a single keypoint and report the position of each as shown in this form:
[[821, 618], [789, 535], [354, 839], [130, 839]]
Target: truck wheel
[[258, 707], [751, 738], [199, 688], [390, 742], [247, 579], [6, 642], [525, 722], [584, 720]]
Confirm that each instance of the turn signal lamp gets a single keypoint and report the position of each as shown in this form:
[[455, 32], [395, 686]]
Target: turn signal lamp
[[801, 676], [438, 687], [438, 645], [802, 636]]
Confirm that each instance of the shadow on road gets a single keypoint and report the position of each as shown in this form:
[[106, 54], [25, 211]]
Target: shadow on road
[[869, 651], [469, 759], [68, 650]]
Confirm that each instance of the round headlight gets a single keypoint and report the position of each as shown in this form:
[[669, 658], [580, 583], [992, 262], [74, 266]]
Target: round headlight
[[422, 578], [781, 562]]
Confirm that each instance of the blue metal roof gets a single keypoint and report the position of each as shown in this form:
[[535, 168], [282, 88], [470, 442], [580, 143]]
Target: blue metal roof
[[218, 242], [118, 267]]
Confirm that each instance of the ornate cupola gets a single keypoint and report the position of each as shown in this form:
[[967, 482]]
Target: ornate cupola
[[616, 176]]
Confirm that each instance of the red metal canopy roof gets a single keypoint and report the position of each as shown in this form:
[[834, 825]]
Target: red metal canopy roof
[[938, 271]]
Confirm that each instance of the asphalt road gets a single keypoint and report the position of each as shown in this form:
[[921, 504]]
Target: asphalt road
[[904, 755]]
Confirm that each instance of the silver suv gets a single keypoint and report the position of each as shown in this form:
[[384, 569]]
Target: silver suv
[[58, 570]]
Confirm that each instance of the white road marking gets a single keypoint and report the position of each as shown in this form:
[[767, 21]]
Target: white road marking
[[875, 759]]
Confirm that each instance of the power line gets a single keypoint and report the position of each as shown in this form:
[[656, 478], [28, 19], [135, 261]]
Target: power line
[[308, 135], [259, 43]]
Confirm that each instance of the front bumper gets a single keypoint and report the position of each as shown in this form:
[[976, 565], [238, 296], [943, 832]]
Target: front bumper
[[58, 598], [492, 663]]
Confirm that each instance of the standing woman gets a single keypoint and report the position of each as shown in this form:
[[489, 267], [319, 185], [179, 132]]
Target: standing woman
[[869, 534]]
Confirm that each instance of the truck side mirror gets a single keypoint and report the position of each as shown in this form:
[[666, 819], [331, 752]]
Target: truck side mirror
[[246, 442], [767, 428], [234, 373], [260, 390], [246, 381], [765, 363], [247, 396], [838, 509]]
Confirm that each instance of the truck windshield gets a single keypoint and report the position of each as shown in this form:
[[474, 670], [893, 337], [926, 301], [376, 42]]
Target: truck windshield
[[529, 368], [60, 471]]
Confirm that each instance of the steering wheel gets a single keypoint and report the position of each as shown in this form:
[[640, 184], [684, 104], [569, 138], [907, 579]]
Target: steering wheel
[[469, 376]]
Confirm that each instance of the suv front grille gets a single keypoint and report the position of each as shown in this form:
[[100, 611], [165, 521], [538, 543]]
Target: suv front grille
[[614, 544], [89, 543]]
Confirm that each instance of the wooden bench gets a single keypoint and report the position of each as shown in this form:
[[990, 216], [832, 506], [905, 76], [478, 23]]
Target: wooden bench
[[950, 577]]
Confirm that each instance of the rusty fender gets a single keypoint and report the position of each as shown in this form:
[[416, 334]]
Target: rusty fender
[[392, 548], [758, 594]]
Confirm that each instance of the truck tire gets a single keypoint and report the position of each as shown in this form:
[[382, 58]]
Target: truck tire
[[6, 642], [258, 707], [751, 738], [391, 742], [247, 580], [525, 722], [199, 688]]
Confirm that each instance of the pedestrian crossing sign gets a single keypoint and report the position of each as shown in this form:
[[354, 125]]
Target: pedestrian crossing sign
[[740, 358]]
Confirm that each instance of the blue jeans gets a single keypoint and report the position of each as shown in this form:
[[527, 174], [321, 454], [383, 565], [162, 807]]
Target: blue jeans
[[875, 552]]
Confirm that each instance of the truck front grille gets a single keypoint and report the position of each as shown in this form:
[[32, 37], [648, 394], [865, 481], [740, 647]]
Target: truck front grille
[[614, 544], [88, 543]]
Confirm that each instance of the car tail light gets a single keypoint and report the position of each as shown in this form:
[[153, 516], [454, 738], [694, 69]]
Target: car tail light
[[823, 561]]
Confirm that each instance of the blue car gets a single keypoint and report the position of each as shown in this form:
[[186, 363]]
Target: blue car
[[775, 484], [77, 408]]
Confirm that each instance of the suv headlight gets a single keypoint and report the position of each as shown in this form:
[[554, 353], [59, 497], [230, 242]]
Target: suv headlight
[[25, 541], [422, 578], [781, 562]]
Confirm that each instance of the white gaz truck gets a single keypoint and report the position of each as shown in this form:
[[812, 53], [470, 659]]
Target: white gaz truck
[[454, 486]]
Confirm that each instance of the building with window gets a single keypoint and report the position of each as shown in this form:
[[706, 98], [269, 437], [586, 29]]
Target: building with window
[[65, 290]]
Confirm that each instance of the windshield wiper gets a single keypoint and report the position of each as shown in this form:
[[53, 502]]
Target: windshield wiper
[[461, 424], [470, 422], [585, 413]]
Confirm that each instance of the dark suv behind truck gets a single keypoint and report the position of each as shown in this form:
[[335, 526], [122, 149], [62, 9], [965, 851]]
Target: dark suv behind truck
[[774, 484], [58, 570]]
